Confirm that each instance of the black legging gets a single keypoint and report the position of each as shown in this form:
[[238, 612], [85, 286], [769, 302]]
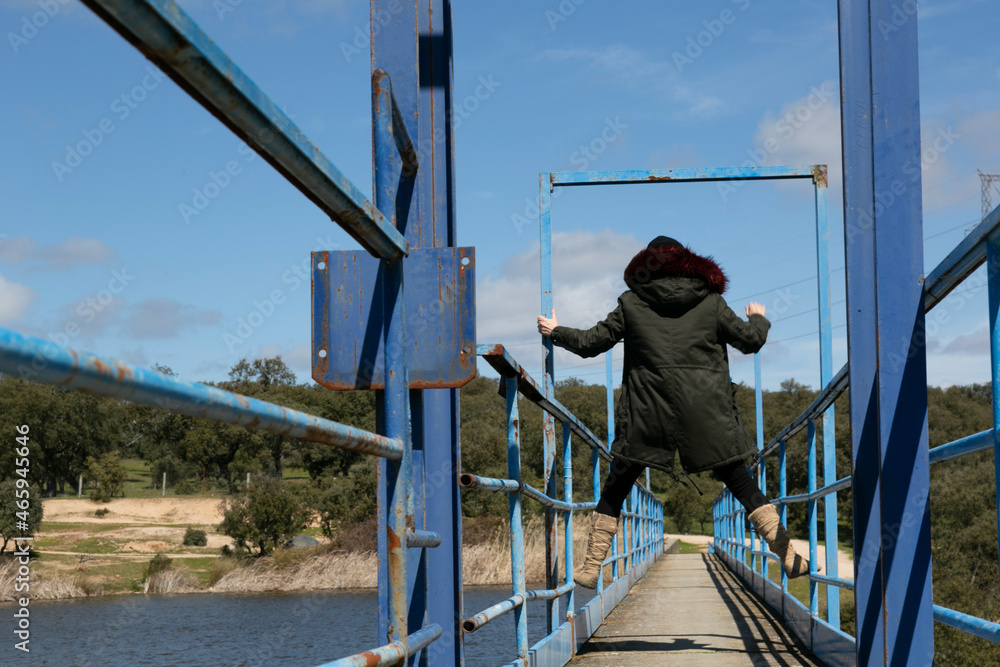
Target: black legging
[[623, 475]]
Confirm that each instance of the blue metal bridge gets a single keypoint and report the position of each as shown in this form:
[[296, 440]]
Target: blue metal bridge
[[400, 318]]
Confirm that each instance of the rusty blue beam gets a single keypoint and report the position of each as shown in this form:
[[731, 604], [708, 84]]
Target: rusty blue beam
[[165, 34], [41, 361], [633, 176], [391, 654], [973, 625], [470, 481], [494, 612], [503, 363]]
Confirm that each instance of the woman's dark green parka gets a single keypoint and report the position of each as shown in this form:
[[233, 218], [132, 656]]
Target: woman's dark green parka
[[677, 395]]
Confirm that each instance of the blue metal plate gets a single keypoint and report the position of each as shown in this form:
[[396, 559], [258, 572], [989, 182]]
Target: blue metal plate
[[347, 318]]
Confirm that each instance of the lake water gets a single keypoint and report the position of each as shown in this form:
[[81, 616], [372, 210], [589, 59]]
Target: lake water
[[239, 629]]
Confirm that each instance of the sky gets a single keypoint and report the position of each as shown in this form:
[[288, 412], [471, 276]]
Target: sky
[[137, 226]]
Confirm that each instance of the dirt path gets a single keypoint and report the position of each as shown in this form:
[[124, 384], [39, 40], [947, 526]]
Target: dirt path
[[177, 511], [845, 565]]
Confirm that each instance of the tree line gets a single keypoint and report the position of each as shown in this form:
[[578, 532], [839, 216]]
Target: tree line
[[73, 432]]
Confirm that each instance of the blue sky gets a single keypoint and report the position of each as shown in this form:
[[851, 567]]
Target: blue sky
[[101, 252]]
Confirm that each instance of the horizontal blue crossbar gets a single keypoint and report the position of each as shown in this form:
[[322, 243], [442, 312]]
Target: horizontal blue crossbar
[[967, 445], [974, 625], [391, 654], [40, 361], [633, 176], [471, 481], [165, 34], [494, 612]]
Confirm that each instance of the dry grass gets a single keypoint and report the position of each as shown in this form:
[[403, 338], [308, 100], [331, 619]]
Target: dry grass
[[170, 581], [325, 571], [220, 569], [45, 587]]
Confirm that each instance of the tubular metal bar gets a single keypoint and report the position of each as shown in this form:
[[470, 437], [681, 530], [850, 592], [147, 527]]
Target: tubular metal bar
[[513, 602], [967, 445], [504, 364], [391, 654], [682, 175], [422, 539], [165, 34], [473, 623], [617, 557], [41, 361], [973, 625], [468, 480], [961, 262], [840, 484]]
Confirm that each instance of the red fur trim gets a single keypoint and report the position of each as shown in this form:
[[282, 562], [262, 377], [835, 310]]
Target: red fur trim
[[676, 261]]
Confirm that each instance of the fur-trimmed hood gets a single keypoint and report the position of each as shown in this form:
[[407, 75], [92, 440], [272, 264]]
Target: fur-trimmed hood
[[654, 272]]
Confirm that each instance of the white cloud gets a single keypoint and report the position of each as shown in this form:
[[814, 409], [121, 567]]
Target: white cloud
[[807, 131], [160, 317], [60, 256], [620, 65], [587, 279], [15, 299]]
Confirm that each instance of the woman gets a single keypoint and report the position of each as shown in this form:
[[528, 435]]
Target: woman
[[677, 396]]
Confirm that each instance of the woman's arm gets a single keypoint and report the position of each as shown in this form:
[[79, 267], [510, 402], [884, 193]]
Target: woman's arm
[[587, 343], [747, 337]]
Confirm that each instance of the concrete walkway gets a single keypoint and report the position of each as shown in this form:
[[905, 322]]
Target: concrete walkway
[[690, 610]]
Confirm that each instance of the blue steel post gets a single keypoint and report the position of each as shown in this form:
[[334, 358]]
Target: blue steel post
[[831, 534], [436, 226], [548, 422], [813, 525], [993, 278], [758, 398], [886, 338], [567, 461], [396, 508], [782, 492], [609, 384], [516, 526]]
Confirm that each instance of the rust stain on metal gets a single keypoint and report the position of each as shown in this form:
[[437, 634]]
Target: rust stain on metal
[[659, 179], [819, 173]]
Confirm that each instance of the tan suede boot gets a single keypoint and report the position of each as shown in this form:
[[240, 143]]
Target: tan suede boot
[[768, 525], [602, 531]]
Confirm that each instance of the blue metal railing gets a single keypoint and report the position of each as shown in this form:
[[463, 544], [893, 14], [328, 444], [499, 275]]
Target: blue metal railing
[[165, 34], [642, 525], [750, 562]]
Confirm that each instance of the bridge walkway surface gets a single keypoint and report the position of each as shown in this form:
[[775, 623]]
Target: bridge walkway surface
[[690, 610]]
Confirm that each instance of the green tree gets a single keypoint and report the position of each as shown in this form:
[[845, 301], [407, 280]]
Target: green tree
[[350, 499], [108, 475], [20, 504], [263, 517]]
